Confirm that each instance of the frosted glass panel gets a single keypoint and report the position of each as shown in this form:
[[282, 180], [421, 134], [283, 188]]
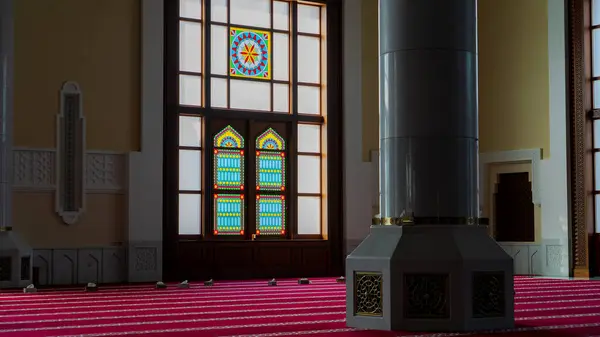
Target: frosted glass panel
[[281, 57], [251, 13], [309, 100], [189, 214], [309, 19], [596, 52], [281, 15], [596, 93], [190, 90], [218, 93], [309, 174], [281, 98], [309, 215], [218, 10], [597, 202], [218, 50], [190, 131], [309, 138], [250, 95], [190, 9], [189, 170], [309, 59], [595, 12], [190, 46], [597, 133], [597, 171]]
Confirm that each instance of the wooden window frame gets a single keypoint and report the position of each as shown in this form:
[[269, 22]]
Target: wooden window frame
[[580, 157], [173, 110]]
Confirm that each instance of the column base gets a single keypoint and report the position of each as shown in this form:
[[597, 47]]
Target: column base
[[429, 278], [16, 260]]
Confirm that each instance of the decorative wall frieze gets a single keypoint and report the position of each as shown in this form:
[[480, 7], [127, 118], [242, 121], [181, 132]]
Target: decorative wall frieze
[[35, 170]]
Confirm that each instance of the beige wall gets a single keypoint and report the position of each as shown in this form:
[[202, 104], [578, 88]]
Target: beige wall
[[97, 44], [370, 77], [513, 76]]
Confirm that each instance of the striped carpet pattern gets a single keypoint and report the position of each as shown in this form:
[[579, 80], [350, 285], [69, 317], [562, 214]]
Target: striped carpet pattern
[[548, 307]]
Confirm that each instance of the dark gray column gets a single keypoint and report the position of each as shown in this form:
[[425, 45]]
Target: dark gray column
[[428, 108], [429, 277]]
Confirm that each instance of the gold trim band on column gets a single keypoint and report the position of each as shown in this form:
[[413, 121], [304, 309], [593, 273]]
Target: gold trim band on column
[[391, 221], [6, 229], [403, 221]]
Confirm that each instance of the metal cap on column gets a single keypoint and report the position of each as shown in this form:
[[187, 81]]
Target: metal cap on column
[[428, 110]]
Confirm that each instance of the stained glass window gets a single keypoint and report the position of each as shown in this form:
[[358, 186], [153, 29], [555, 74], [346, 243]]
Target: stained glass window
[[270, 214], [250, 53], [270, 162], [238, 57], [228, 176], [228, 160], [229, 214], [270, 177]]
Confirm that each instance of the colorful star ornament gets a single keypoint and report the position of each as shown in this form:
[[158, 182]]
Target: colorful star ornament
[[250, 53]]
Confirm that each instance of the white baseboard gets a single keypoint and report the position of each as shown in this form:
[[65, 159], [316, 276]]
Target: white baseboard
[[543, 259], [79, 266]]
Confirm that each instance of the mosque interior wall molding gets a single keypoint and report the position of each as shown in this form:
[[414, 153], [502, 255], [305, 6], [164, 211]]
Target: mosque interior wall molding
[[34, 171]]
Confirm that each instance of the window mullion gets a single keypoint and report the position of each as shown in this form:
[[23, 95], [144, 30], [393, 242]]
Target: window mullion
[[206, 48], [293, 150]]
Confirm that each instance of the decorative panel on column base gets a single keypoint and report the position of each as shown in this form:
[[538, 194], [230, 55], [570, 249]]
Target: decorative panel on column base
[[429, 278], [144, 261], [15, 260]]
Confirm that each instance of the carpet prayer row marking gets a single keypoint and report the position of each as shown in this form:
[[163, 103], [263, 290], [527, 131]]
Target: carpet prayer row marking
[[288, 309]]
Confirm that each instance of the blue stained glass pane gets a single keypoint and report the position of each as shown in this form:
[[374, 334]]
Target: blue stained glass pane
[[270, 215], [270, 171], [229, 169], [228, 214]]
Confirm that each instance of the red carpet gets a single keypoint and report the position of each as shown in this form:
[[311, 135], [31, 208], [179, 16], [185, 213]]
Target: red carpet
[[544, 307]]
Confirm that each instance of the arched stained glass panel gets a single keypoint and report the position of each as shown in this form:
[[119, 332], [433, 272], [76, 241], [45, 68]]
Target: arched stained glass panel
[[270, 178], [270, 162], [228, 160]]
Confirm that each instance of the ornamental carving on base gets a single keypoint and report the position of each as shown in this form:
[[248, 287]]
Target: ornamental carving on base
[[5, 268], [488, 295], [368, 294], [426, 296]]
